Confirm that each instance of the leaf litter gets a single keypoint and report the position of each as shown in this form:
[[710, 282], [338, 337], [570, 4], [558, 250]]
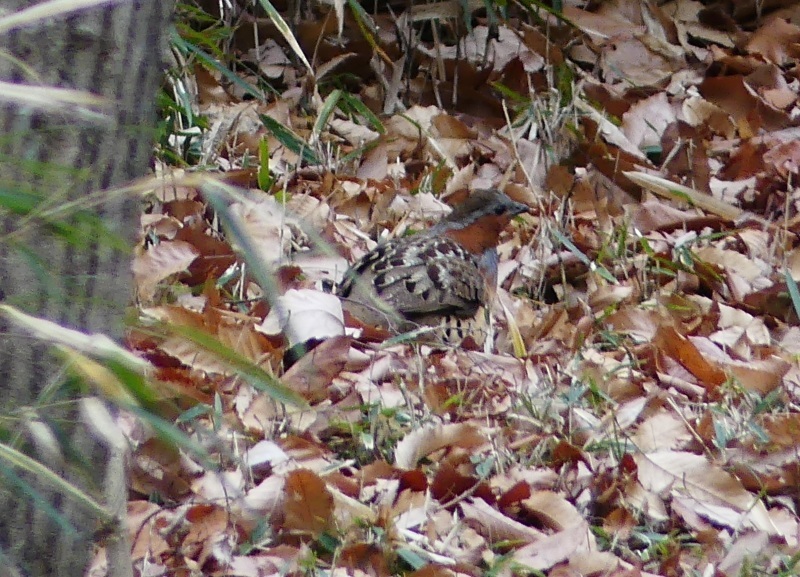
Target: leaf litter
[[637, 413]]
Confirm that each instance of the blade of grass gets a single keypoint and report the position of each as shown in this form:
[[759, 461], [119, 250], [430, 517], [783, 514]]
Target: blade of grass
[[218, 194], [11, 480], [100, 376], [252, 373], [324, 114], [22, 461], [213, 64], [97, 345], [82, 104], [598, 268], [517, 341], [673, 190], [368, 29], [265, 180], [191, 414], [173, 436], [286, 32], [360, 108], [794, 292], [45, 11], [289, 139]]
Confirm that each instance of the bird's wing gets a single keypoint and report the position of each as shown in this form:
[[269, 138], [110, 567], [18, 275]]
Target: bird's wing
[[419, 276]]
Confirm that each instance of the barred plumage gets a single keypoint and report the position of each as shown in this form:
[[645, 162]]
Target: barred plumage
[[441, 277]]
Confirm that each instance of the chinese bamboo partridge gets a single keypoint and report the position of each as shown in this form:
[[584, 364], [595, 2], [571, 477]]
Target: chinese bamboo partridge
[[442, 277]]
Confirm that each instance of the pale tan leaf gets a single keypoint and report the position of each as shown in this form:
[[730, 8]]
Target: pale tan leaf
[[305, 314], [159, 262], [426, 440], [562, 546], [495, 526], [349, 511], [262, 501], [552, 510], [718, 495], [265, 222], [662, 431]]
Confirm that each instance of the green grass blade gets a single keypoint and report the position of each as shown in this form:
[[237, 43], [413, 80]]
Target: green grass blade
[[593, 266], [252, 373], [325, 112], [360, 108], [174, 437], [289, 139], [794, 292], [285, 31], [265, 180], [19, 460], [368, 28], [213, 64], [10, 480]]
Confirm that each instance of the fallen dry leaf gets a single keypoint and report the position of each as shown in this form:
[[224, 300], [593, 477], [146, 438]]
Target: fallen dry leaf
[[308, 505]]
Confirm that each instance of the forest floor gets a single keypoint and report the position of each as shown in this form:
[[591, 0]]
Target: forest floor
[[637, 412]]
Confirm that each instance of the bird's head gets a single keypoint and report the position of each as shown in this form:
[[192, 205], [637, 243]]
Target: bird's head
[[477, 222]]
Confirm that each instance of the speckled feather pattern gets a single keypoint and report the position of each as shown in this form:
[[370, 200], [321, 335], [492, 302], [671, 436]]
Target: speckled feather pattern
[[418, 276], [430, 278]]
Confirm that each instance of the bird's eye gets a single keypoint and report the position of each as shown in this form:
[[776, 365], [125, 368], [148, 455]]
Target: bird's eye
[[499, 209]]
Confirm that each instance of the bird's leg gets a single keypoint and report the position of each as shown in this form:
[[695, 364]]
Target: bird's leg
[[488, 344]]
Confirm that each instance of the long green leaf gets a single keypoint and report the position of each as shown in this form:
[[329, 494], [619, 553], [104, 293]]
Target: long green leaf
[[173, 436], [265, 179], [22, 461], [285, 31], [362, 109], [794, 292], [368, 28], [289, 139], [598, 268], [252, 373], [212, 63], [325, 112], [218, 194]]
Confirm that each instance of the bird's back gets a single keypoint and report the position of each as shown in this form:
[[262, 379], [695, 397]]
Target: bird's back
[[414, 278], [441, 277]]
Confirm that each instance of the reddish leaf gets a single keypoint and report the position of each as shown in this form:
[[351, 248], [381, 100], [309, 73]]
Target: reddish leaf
[[308, 505]]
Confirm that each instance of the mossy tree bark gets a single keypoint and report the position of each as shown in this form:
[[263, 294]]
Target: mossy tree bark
[[68, 263]]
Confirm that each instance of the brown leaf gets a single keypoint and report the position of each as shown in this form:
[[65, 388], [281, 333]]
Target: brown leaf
[[208, 524], [145, 522], [566, 453], [367, 558], [619, 522], [414, 480], [308, 505], [215, 255], [521, 490], [671, 343], [775, 39], [552, 510], [496, 526], [449, 483], [313, 373]]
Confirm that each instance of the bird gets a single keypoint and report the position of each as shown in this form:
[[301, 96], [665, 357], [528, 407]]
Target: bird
[[440, 278]]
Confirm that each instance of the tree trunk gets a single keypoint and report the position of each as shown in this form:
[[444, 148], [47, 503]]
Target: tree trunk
[[76, 277]]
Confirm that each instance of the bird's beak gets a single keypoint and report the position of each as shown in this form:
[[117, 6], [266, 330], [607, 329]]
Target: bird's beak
[[519, 208]]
